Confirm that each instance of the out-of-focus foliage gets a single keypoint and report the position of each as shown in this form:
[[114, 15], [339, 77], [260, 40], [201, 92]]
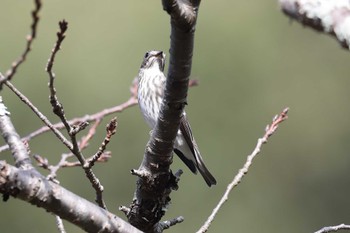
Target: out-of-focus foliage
[[251, 62]]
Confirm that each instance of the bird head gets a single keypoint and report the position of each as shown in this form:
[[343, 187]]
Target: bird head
[[153, 59]]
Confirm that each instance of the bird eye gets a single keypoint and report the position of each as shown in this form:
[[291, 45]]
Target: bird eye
[[146, 55]]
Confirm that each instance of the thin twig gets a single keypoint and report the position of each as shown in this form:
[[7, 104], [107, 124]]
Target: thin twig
[[31, 187], [56, 105], [84, 141], [87, 118], [41, 116], [269, 131], [169, 223], [72, 130], [30, 38], [63, 163], [334, 228], [111, 130], [44, 163], [59, 224], [132, 101]]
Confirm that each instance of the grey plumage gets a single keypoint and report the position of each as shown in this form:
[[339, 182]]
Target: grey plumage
[[150, 94]]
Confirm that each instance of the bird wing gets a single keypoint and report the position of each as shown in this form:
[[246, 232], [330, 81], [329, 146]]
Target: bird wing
[[186, 131]]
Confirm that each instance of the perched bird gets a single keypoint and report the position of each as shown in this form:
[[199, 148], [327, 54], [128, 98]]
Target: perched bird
[[151, 81]]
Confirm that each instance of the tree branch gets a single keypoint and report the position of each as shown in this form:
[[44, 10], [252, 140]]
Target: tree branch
[[41, 116], [156, 181], [26, 183], [334, 228], [11, 137], [72, 130], [30, 38], [331, 17], [269, 131], [98, 116], [132, 101], [32, 187], [59, 224]]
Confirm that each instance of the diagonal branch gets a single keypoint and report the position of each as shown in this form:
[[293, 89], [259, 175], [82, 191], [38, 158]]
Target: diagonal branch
[[30, 38], [331, 17], [41, 116], [156, 181], [98, 116], [334, 228], [132, 101], [32, 187], [269, 131], [29, 185]]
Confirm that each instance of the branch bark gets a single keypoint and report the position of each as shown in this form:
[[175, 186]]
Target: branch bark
[[29, 185], [156, 181], [334, 228], [11, 137], [331, 17], [26, 183]]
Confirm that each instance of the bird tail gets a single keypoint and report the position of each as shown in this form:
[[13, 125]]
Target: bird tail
[[203, 170], [198, 163]]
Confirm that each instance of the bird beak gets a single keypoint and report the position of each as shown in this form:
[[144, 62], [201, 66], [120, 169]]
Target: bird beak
[[160, 55]]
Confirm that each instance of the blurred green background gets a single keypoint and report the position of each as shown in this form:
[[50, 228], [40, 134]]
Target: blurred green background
[[251, 62]]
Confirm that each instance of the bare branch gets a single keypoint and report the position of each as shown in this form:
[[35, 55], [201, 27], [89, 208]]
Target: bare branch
[[132, 101], [63, 163], [42, 117], [331, 17], [32, 187], [43, 162], [156, 181], [334, 228], [20, 183], [56, 105], [269, 131], [84, 141], [167, 224], [8, 132], [59, 224], [30, 38], [111, 130], [71, 130]]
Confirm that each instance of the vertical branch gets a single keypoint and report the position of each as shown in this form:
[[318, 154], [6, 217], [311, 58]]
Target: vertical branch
[[11, 137], [156, 181], [75, 129], [56, 105]]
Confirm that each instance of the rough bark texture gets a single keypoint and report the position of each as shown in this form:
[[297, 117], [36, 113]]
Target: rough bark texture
[[332, 17], [26, 183], [29, 185], [156, 181]]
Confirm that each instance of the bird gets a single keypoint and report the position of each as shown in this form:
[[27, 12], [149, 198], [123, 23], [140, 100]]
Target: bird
[[151, 85]]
